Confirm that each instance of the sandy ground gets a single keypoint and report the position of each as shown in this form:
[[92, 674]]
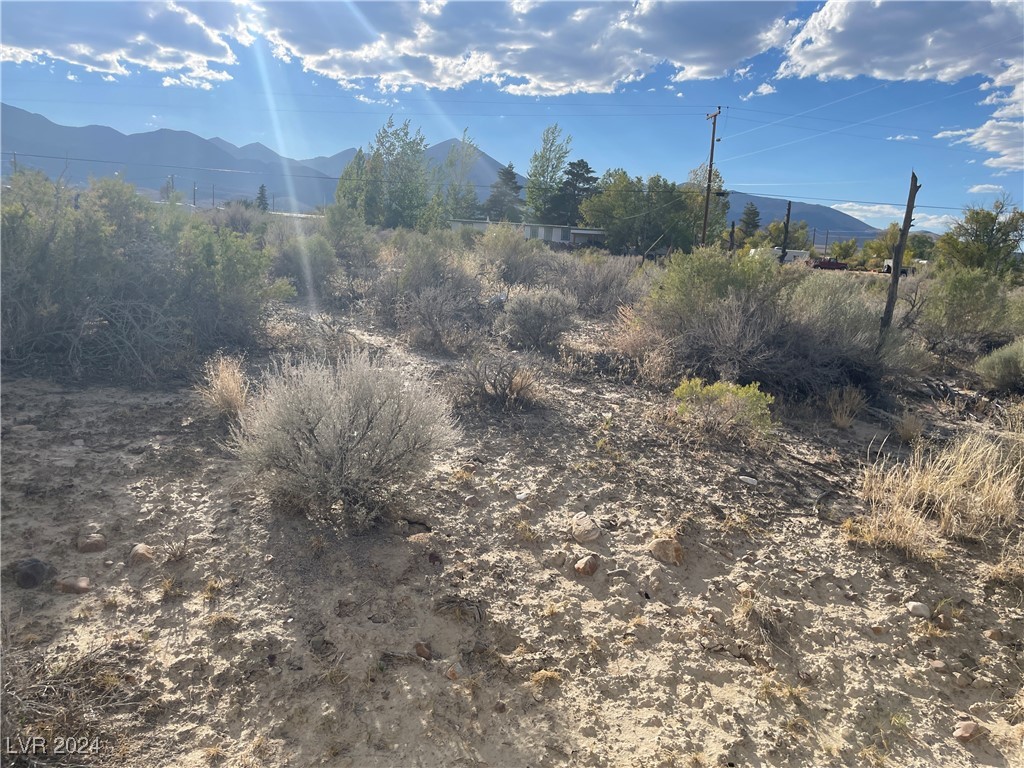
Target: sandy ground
[[260, 638]]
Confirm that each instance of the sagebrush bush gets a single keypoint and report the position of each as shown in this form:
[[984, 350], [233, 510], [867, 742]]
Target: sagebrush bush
[[225, 386], [338, 437], [536, 319], [601, 283], [517, 261], [502, 382], [1003, 369], [965, 312], [308, 262], [724, 407]]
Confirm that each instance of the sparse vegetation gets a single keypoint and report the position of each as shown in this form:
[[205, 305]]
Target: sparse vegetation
[[1003, 368], [724, 408], [225, 386], [536, 319], [336, 437], [500, 381], [845, 404]]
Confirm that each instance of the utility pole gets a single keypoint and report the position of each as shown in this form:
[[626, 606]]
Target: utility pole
[[711, 167], [194, 187], [897, 261], [172, 183], [214, 195], [732, 239], [826, 242], [814, 238], [14, 161], [785, 232]]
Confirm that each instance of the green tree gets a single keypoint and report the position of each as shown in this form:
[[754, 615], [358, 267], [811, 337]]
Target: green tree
[[718, 206], [454, 193], [547, 172], [922, 245], [261, 198], [400, 169], [771, 236], [876, 252], [985, 239], [579, 184], [617, 207], [843, 251], [504, 203], [750, 221]]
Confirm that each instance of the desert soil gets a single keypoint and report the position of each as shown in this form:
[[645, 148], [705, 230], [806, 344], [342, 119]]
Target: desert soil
[[261, 637]]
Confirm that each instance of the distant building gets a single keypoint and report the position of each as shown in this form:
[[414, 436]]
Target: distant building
[[776, 253], [549, 233]]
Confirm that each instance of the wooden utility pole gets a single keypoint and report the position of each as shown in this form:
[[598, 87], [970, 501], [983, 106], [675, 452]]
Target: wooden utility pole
[[732, 239], [785, 232], [195, 186], [214, 195], [897, 261], [826, 243], [711, 167]]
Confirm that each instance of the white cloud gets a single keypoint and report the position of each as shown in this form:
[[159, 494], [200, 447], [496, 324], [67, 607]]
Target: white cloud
[[902, 137], [72, 77], [985, 189], [921, 41], [109, 79], [764, 89], [881, 215]]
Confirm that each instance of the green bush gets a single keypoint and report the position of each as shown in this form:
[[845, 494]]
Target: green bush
[[965, 312], [1003, 369], [601, 283], [308, 263], [517, 261], [536, 319], [724, 407], [339, 438]]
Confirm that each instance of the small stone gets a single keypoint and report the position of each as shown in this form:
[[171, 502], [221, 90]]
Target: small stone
[[944, 621], [108, 563], [667, 551], [878, 629], [981, 684], [500, 706], [962, 679], [937, 665], [584, 529], [31, 572], [587, 566], [141, 553], [92, 542], [469, 467], [993, 634], [522, 496], [918, 609], [423, 651], [748, 480], [471, 501], [891, 597], [967, 730], [454, 671], [74, 585]]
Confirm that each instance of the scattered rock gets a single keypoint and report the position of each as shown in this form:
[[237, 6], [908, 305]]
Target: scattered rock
[[937, 665], [891, 597], [108, 563], [434, 559], [31, 572], [967, 730], [993, 634], [962, 679], [748, 480], [944, 621], [92, 542], [587, 566], [556, 559], [423, 651], [454, 671], [667, 551], [918, 609], [471, 501], [74, 585], [500, 706], [522, 496], [878, 629], [469, 467], [584, 529], [141, 553]]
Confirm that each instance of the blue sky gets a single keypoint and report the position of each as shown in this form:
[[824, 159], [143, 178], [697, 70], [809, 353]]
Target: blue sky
[[832, 102]]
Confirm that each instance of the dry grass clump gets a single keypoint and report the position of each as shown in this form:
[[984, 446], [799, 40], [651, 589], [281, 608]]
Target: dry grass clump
[[644, 347], [500, 382], [909, 427], [225, 387], [964, 489], [1009, 568], [338, 437], [759, 614], [79, 697], [844, 404]]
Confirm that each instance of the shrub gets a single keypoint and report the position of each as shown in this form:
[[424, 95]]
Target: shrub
[[518, 261], [501, 382], [601, 283], [965, 311], [724, 407], [1003, 369], [308, 263], [225, 387], [337, 438], [536, 319]]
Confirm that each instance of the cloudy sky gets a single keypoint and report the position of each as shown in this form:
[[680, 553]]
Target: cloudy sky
[[832, 102]]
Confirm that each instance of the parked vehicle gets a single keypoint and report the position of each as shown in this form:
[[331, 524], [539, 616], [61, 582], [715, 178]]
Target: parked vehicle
[[887, 269], [829, 263]]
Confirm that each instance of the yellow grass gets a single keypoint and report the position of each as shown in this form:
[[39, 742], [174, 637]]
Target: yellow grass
[[845, 404], [225, 388]]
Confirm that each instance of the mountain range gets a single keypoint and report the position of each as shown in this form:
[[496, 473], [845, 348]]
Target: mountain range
[[212, 171]]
